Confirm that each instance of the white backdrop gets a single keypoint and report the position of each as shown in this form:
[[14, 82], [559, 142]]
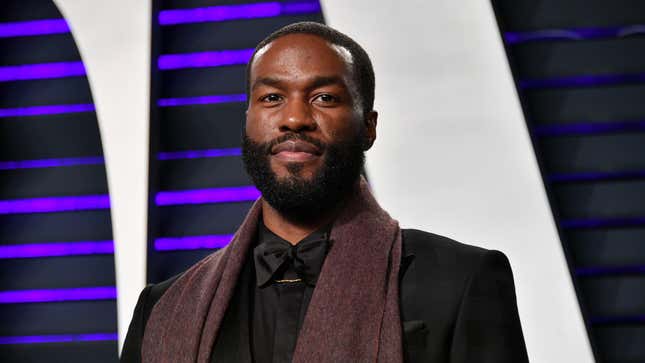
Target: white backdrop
[[113, 38], [453, 155]]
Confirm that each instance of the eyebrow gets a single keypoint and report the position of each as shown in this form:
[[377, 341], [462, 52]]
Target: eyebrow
[[266, 81], [317, 82], [326, 81]]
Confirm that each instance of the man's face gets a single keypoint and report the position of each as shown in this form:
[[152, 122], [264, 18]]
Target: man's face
[[305, 130]]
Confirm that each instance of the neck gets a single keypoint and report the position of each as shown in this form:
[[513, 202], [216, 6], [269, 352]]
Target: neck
[[290, 229]]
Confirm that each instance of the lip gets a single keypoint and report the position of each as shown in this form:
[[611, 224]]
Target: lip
[[295, 151], [296, 146]]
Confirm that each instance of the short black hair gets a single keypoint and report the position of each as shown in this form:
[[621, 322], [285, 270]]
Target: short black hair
[[362, 69]]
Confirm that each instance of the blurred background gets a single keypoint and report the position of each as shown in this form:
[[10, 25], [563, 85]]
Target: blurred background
[[512, 125]]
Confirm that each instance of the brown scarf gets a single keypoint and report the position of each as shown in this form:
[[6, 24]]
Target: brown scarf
[[353, 315]]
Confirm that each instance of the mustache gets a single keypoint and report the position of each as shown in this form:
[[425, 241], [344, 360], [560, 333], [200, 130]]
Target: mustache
[[268, 146]]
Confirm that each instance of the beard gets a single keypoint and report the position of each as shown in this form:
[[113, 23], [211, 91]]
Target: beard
[[297, 197]]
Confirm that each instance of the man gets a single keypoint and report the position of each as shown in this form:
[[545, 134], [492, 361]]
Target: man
[[318, 272]]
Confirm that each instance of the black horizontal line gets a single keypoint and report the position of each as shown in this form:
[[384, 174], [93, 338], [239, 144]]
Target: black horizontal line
[[582, 81], [595, 176], [573, 34], [629, 319], [588, 128], [602, 222], [609, 271]]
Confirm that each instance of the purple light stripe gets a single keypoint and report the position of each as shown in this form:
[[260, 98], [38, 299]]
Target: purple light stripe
[[609, 271], [50, 163], [97, 160], [54, 204], [596, 176], [59, 338], [204, 59], [55, 295], [55, 249], [219, 13], [198, 154], [602, 222], [201, 100], [582, 81], [308, 7], [513, 38], [41, 71], [634, 319], [34, 27], [207, 196], [589, 128], [45, 110], [234, 12], [192, 242]]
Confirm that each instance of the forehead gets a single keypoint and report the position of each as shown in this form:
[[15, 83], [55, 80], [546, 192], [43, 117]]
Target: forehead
[[301, 56]]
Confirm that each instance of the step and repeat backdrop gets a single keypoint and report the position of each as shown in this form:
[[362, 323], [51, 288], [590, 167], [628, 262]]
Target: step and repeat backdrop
[[57, 271], [579, 74]]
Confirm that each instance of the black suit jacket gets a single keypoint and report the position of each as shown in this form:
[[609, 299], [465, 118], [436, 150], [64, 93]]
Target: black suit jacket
[[457, 305]]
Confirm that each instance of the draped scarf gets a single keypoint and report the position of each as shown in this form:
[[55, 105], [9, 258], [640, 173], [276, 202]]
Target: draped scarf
[[353, 315]]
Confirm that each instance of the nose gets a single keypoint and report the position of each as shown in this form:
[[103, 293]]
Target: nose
[[297, 117]]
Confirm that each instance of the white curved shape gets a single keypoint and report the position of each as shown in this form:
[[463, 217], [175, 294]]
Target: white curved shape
[[453, 155], [113, 38]]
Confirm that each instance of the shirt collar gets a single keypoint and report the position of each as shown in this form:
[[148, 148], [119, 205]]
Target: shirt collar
[[274, 255]]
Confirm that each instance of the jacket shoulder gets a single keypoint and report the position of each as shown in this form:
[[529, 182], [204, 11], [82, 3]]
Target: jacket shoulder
[[436, 271], [148, 299], [464, 298], [425, 245], [155, 292], [431, 262]]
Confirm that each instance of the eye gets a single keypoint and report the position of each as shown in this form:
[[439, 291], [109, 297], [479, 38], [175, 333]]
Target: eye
[[326, 99], [271, 98]]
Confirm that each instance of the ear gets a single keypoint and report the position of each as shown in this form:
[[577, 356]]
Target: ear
[[370, 129]]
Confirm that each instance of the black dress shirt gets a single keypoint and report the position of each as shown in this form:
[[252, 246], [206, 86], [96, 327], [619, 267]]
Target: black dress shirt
[[282, 292]]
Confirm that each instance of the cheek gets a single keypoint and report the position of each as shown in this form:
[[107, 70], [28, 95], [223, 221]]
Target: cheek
[[256, 126], [339, 125]]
